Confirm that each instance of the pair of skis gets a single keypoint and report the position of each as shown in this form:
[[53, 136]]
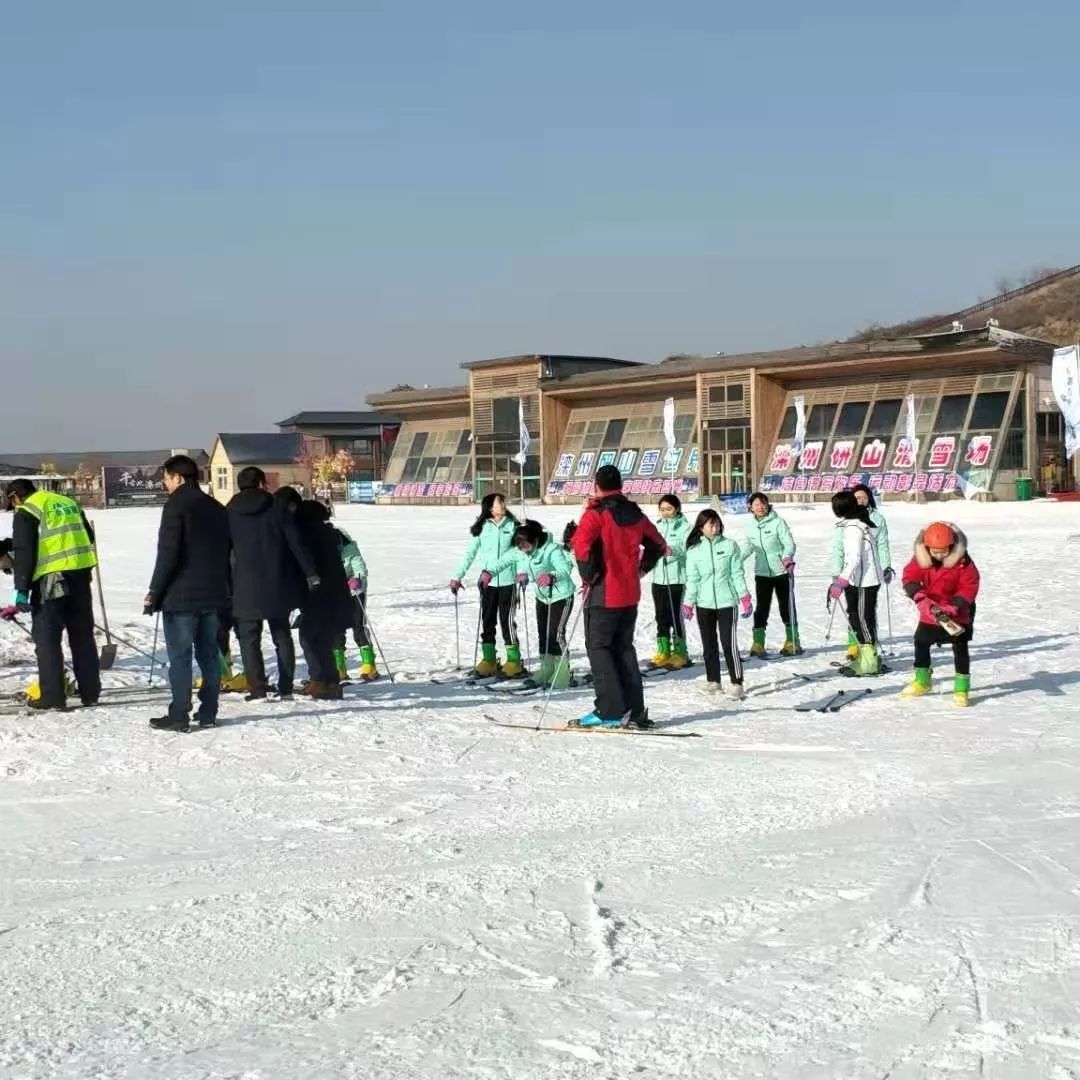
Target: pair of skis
[[654, 732], [836, 701]]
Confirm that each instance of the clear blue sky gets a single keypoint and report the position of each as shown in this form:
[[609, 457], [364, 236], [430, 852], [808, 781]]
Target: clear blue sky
[[214, 213]]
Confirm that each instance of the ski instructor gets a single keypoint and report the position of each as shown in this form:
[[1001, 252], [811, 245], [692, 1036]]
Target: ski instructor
[[615, 546]]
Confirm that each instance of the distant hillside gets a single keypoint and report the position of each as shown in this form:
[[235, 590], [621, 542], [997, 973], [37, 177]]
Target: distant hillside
[[1048, 308]]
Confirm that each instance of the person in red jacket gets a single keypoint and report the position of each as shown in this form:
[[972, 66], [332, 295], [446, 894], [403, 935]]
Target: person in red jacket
[[615, 546], [943, 582]]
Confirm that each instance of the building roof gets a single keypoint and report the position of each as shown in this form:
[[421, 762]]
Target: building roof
[[816, 356], [420, 396], [68, 461], [552, 360], [337, 419], [262, 447]]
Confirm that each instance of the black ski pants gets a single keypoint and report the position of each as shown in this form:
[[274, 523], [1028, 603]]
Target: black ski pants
[[551, 622], [718, 628], [862, 612], [249, 634], [73, 613], [609, 642], [318, 645], [497, 606], [667, 602], [766, 587], [926, 635]]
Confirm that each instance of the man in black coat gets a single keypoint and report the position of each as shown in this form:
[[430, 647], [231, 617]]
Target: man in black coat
[[189, 586], [271, 574]]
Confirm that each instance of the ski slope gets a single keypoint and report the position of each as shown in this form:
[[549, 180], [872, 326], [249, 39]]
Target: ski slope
[[391, 887]]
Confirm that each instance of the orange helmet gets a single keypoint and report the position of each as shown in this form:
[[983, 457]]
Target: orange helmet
[[939, 535]]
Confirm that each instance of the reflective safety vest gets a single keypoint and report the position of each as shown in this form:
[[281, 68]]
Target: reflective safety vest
[[63, 542]]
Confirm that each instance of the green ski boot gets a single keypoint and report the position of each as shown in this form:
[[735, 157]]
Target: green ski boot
[[489, 664], [758, 647], [792, 646]]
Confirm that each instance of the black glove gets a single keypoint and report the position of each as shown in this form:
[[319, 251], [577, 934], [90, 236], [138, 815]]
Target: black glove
[[313, 582], [148, 604]]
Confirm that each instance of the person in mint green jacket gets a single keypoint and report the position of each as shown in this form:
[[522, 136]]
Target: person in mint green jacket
[[715, 587], [668, 585], [538, 560], [356, 573], [769, 540], [492, 537], [865, 497]]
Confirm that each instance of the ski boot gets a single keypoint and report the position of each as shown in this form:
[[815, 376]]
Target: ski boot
[[961, 689], [368, 671], [680, 658], [867, 662], [792, 646], [236, 684], [489, 663], [852, 646], [758, 647], [561, 675], [513, 668], [662, 656], [546, 671], [639, 720], [342, 667], [919, 685], [320, 691], [33, 690], [592, 720]]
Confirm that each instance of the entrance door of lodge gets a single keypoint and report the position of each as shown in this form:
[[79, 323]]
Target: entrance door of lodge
[[730, 468]]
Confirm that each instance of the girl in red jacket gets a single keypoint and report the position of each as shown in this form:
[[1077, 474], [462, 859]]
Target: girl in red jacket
[[943, 582]]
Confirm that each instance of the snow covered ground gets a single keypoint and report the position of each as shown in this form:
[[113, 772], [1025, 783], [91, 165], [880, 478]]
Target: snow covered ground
[[394, 888]]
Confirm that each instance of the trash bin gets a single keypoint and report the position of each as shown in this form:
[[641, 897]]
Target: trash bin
[[1024, 487]]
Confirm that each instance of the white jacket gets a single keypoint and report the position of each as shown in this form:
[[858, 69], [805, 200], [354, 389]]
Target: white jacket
[[860, 554]]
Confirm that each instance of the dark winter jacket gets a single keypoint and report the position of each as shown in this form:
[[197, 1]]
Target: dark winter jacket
[[192, 568], [955, 581], [331, 605], [270, 565], [615, 544]]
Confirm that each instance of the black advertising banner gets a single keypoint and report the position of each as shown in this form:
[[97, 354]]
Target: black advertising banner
[[133, 485]]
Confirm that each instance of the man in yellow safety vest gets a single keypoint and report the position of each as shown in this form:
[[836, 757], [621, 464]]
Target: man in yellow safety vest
[[53, 562]]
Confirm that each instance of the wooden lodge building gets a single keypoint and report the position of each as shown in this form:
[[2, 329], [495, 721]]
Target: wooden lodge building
[[984, 416]]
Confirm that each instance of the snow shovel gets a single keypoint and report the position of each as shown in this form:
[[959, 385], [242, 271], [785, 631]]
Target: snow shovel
[[108, 651]]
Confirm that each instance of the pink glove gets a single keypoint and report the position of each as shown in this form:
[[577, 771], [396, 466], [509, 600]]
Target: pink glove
[[545, 581], [836, 589], [926, 609], [522, 580], [9, 613], [948, 609], [354, 586], [485, 580], [668, 552], [688, 612], [746, 608], [455, 586], [788, 564]]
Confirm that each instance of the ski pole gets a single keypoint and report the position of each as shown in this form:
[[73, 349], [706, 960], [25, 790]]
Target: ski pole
[[457, 630], [479, 626], [374, 637], [525, 613], [831, 608], [676, 624], [888, 618], [153, 657], [564, 660]]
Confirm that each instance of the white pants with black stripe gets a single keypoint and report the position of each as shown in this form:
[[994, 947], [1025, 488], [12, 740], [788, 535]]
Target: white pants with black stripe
[[718, 628]]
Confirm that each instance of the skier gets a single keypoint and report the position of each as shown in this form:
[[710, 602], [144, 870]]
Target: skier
[[715, 586], [492, 537], [865, 497], [668, 585], [858, 580], [357, 574], [327, 610], [615, 546], [538, 559], [943, 582], [769, 539]]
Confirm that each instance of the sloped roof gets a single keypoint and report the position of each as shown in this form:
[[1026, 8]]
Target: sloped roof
[[554, 358], [262, 447], [314, 418], [67, 461]]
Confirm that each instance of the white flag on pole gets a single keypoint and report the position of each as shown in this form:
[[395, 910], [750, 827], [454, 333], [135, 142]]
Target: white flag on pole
[[523, 435], [799, 441], [669, 423], [1065, 380], [909, 430]]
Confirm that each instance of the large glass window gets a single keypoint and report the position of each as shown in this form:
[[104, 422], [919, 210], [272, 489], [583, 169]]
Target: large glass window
[[989, 411], [614, 434], [952, 412], [464, 445], [787, 425], [1012, 453], [427, 456], [820, 421], [883, 417], [852, 418]]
